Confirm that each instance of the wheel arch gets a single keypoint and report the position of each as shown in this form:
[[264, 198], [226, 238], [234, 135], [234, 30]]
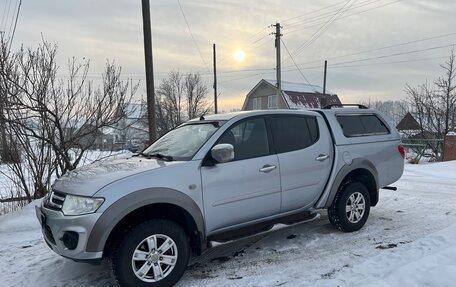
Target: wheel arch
[[360, 170], [141, 206]]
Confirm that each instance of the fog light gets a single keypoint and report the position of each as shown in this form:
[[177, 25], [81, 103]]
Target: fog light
[[70, 239]]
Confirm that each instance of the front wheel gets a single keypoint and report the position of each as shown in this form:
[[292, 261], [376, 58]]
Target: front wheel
[[154, 253], [350, 208]]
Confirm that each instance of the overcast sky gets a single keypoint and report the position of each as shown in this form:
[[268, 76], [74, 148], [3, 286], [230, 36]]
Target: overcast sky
[[337, 30]]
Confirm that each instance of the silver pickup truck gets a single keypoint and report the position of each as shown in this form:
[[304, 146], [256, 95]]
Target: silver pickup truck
[[221, 177]]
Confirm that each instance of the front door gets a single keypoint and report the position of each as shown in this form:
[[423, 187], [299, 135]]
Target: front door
[[246, 188]]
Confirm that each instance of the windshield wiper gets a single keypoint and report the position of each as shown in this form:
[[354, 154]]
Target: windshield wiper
[[161, 156], [140, 153], [157, 155]]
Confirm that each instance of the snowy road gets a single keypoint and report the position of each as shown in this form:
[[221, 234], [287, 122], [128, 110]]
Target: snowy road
[[409, 240]]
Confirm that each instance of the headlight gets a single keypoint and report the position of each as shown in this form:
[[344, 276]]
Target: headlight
[[78, 205]]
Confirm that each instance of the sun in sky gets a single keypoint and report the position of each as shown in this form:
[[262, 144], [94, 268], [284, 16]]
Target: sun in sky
[[239, 56]]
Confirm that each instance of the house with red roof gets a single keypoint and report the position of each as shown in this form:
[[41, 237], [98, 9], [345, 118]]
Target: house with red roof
[[292, 96]]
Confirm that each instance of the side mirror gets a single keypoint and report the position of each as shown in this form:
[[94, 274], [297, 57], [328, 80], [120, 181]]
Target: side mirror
[[223, 152]]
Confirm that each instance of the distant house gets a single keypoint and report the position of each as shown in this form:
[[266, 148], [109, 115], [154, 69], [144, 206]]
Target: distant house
[[293, 96], [408, 127], [133, 126], [131, 130], [408, 123]]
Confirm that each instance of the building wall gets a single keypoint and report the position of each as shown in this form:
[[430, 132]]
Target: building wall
[[450, 147], [263, 91]]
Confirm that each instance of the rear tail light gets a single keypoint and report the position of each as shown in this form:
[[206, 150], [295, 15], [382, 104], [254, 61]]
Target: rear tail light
[[401, 150]]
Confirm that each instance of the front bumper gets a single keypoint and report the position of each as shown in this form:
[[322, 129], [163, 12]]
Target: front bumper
[[54, 224]]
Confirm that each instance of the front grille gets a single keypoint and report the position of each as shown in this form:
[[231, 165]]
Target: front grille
[[55, 200]]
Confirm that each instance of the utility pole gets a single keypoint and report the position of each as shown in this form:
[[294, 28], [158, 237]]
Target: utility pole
[[324, 78], [147, 31], [215, 79], [5, 154], [278, 68]]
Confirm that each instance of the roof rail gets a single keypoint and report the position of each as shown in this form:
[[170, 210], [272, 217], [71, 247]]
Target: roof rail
[[328, 107]]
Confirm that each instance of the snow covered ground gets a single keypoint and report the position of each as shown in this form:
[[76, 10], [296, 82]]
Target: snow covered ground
[[409, 240]]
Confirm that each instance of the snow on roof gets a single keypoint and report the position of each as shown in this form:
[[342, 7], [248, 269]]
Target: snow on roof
[[305, 96], [300, 87], [299, 100]]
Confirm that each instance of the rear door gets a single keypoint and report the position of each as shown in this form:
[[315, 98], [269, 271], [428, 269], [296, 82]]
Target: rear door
[[246, 188], [305, 154]]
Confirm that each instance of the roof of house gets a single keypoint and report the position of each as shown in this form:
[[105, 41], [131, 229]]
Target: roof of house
[[297, 100], [408, 122], [301, 96], [299, 87]]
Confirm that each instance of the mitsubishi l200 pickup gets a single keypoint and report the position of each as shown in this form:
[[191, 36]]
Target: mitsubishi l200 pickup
[[218, 177]]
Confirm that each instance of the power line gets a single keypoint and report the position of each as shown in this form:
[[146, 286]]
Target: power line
[[12, 20], [395, 54], [246, 70], [328, 14], [336, 65], [346, 16], [387, 63], [265, 36], [256, 41], [300, 72], [7, 16], [340, 64], [191, 34], [314, 35], [381, 48], [311, 12], [254, 44], [15, 23], [246, 77], [3, 17], [258, 33]]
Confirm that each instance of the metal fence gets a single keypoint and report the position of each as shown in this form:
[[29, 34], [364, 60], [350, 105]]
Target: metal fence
[[416, 149]]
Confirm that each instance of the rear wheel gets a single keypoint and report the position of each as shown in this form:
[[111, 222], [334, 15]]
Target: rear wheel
[[350, 208], [154, 253]]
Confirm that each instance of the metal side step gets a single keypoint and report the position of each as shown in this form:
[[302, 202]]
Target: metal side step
[[262, 228]]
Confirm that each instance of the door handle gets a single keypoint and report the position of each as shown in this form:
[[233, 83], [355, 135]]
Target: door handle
[[322, 157], [268, 168]]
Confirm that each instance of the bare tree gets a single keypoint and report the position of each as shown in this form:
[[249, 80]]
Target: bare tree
[[446, 94], [434, 105], [53, 121], [195, 91], [5, 153], [394, 110], [180, 98], [170, 95]]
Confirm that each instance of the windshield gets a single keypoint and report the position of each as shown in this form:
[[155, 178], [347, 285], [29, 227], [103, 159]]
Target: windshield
[[183, 142]]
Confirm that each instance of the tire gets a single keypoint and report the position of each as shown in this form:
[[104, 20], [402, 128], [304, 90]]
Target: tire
[[347, 212], [160, 246]]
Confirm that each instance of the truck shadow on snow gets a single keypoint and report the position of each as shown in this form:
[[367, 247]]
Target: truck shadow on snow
[[306, 243], [256, 250]]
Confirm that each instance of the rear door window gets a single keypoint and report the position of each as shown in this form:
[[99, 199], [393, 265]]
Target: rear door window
[[362, 125], [292, 133]]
